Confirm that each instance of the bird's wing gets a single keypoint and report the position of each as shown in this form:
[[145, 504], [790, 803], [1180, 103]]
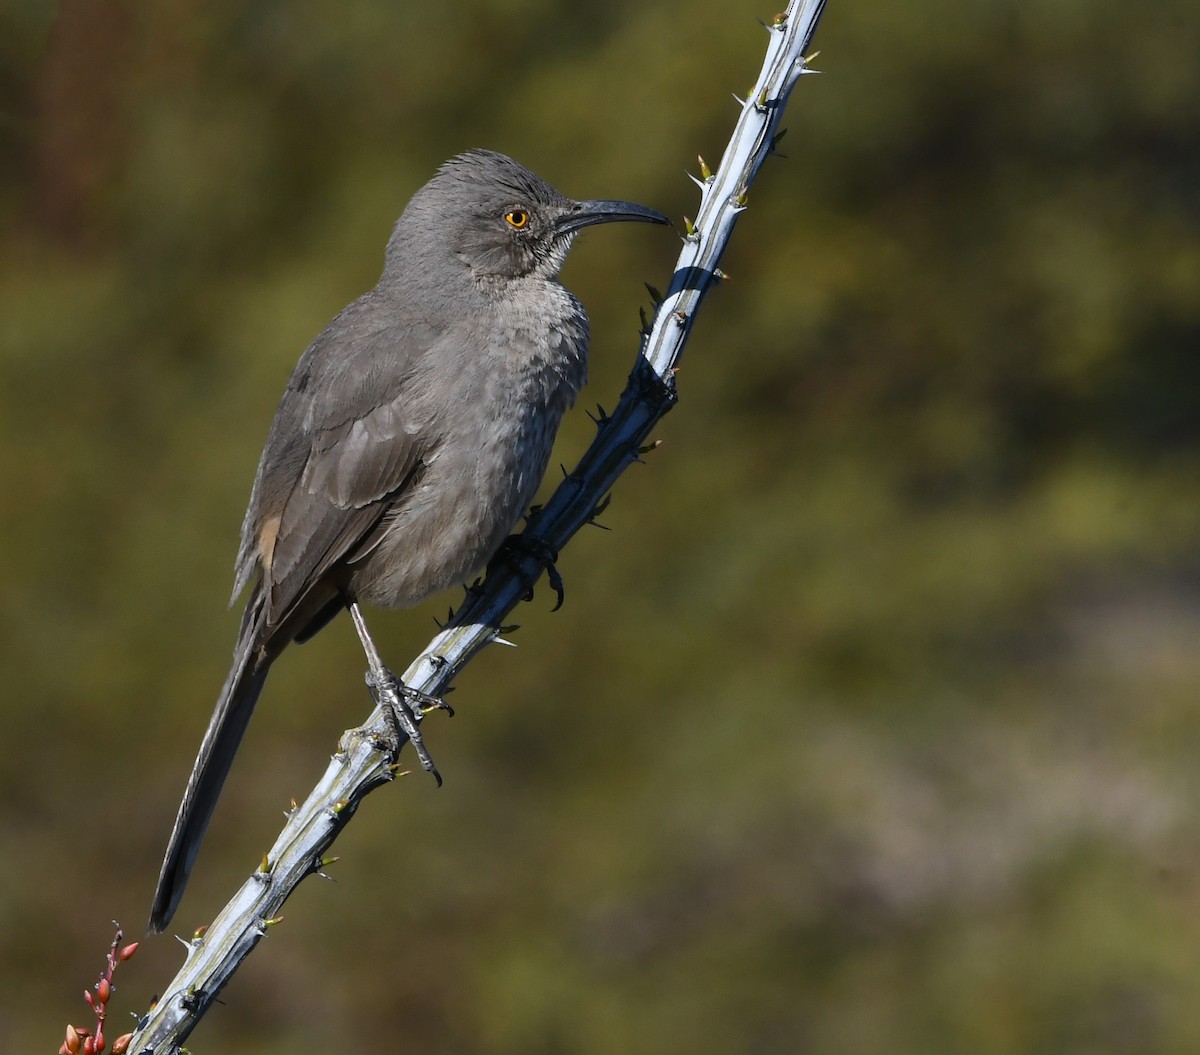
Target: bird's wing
[[356, 439], [355, 473]]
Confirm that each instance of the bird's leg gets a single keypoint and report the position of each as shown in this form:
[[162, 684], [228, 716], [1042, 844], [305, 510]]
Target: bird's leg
[[394, 697]]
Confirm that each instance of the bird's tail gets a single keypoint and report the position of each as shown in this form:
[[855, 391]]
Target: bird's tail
[[225, 731]]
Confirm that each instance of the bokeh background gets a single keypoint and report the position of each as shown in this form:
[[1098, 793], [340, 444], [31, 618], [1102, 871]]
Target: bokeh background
[[871, 725]]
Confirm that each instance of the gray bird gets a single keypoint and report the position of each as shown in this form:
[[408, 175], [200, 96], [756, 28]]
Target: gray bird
[[411, 438]]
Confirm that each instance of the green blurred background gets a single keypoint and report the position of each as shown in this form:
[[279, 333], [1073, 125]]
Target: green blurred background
[[872, 724]]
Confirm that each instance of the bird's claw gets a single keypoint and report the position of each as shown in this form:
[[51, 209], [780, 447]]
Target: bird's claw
[[394, 697], [556, 583], [513, 547]]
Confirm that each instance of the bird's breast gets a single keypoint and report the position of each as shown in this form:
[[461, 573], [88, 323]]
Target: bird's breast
[[479, 479]]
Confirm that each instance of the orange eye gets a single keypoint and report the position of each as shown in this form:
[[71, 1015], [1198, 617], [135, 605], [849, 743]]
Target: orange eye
[[517, 218]]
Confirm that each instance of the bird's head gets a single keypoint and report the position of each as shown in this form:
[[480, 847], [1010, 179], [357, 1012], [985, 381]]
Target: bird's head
[[501, 221]]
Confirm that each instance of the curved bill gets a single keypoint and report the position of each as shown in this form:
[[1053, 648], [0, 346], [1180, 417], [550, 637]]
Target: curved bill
[[587, 213]]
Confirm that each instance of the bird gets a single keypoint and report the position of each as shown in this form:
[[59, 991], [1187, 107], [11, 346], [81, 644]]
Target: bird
[[409, 441]]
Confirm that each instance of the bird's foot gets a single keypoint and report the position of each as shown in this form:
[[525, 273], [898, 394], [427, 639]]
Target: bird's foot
[[516, 546], [403, 708]]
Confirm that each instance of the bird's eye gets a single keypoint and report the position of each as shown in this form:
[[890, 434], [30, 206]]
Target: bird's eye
[[517, 218]]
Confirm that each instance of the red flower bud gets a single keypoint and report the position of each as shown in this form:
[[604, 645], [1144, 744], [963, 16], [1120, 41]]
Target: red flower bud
[[103, 990], [121, 1044], [128, 951]]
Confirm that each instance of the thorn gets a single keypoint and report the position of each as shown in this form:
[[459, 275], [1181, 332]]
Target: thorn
[[599, 508], [563, 469], [773, 146], [511, 628], [738, 99], [705, 171], [600, 417], [655, 296], [699, 183], [498, 640], [645, 322]]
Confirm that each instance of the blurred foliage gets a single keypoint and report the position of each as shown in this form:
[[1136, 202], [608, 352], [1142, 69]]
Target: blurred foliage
[[870, 726]]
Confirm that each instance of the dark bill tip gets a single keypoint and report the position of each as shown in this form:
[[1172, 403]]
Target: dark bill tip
[[587, 213]]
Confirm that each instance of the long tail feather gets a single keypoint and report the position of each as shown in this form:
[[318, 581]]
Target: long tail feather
[[226, 728]]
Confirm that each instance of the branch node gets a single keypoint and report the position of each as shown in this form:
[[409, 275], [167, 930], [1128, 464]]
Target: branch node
[[599, 508]]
